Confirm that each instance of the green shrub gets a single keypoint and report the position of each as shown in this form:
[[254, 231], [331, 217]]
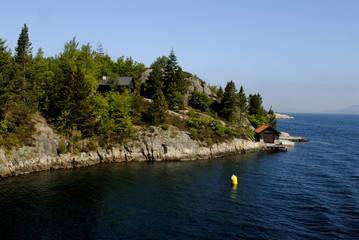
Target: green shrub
[[194, 133], [209, 130], [165, 126], [256, 120], [191, 113], [201, 101], [92, 145], [3, 126], [62, 146]]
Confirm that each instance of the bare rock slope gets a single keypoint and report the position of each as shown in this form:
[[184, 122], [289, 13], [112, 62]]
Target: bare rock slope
[[150, 144]]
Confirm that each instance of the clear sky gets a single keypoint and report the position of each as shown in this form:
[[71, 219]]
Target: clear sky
[[300, 55]]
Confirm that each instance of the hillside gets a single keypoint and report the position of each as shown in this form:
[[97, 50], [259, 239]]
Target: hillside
[[74, 109]]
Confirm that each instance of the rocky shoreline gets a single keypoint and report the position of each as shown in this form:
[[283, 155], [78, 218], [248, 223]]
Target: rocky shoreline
[[283, 116], [151, 144]]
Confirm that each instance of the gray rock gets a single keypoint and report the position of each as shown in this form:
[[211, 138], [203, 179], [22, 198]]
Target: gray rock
[[151, 144]]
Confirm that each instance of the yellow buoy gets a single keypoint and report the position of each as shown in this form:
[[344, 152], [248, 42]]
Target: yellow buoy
[[234, 180]]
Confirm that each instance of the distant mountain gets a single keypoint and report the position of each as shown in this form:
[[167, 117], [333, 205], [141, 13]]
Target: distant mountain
[[353, 109]]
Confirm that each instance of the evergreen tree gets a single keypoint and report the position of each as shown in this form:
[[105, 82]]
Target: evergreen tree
[[229, 103], [220, 92], [201, 101], [171, 65], [175, 84], [255, 105], [71, 102], [129, 68], [8, 89], [153, 83], [42, 77], [81, 107], [23, 60], [105, 66], [120, 113], [271, 118], [5, 58], [157, 111], [257, 114], [23, 52], [181, 82], [14, 114], [242, 100]]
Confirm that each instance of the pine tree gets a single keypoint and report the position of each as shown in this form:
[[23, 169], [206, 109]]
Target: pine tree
[[175, 84], [157, 111], [169, 80], [181, 81], [24, 64], [255, 105], [81, 106], [23, 52], [220, 92], [7, 87], [229, 103], [271, 118], [42, 77], [256, 113], [153, 83], [242, 100], [14, 114], [121, 124], [171, 65], [71, 102]]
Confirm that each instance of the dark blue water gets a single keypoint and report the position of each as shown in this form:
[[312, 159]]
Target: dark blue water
[[309, 192]]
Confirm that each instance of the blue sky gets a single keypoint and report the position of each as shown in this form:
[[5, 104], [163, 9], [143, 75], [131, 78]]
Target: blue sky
[[300, 55]]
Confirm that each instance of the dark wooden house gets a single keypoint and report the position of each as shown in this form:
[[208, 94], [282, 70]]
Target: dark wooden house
[[267, 134], [106, 82]]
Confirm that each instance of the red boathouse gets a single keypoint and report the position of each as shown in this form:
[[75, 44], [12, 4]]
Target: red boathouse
[[267, 134]]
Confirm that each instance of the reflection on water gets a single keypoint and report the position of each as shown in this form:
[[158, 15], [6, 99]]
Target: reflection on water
[[309, 192], [234, 192]]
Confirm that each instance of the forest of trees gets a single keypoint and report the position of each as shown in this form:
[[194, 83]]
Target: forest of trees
[[63, 89]]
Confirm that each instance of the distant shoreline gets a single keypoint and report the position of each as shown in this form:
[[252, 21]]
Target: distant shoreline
[[283, 116]]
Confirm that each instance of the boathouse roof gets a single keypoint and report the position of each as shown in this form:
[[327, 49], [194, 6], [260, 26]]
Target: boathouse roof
[[264, 127]]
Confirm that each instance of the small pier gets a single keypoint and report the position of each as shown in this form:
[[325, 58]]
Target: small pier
[[276, 148]]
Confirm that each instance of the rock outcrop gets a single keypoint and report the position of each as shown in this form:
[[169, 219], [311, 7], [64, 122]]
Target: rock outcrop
[[283, 116], [286, 137], [151, 144], [196, 85]]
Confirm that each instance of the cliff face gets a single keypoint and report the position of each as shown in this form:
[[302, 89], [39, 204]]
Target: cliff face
[[151, 144]]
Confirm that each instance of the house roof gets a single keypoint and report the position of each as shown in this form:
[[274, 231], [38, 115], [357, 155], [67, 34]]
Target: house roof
[[264, 127], [120, 81]]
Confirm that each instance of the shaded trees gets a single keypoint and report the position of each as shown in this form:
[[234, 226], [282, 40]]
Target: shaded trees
[[23, 52], [23, 60], [242, 104], [71, 101], [153, 82], [42, 78], [229, 103], [271, 119], [201, 101], [175, 84], [256, 112], [160, 62], [157, 111]]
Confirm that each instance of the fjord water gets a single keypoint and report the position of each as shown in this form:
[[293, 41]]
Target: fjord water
[[309, 192]]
